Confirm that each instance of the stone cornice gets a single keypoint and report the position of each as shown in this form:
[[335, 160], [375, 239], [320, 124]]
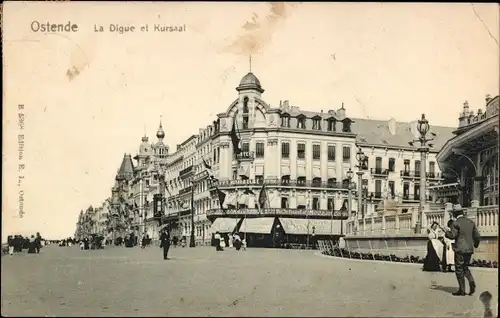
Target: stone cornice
[[477, 131]]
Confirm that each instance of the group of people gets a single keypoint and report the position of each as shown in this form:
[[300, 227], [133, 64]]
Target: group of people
[[453, 245], [440, 254], [18, 243], [222, 241]]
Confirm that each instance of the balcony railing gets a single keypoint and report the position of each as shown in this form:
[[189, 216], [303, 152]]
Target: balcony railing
[[245, 155], [303, 213], [379, 171], [285, 183], [185, 190], [184, 172], [416, 174]]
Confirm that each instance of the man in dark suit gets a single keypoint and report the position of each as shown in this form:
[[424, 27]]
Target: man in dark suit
[[467, 237], [165, 242]]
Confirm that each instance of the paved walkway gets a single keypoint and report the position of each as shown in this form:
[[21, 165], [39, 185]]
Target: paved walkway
[[64, 281]]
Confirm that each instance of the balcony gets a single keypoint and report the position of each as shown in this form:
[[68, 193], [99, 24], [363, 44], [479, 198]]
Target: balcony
[[185, 190], [416, 174], [379, 172], [284, 183], [299, 213], [414, 197], [184, 172], [245, 155]]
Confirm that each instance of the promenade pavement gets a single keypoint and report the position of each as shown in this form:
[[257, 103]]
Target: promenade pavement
[[118, 281]]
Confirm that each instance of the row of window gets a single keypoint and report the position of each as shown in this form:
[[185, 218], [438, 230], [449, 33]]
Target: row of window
[[301, 123], [301, 151]]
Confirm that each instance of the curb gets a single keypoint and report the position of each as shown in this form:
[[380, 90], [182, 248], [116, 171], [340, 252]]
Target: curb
[[483, 269]]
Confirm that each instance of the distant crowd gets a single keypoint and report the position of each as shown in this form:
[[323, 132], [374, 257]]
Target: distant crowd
[[18, 243]]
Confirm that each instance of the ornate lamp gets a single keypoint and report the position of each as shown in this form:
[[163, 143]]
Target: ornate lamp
[[423, 126], [360, 156], [350, 174]]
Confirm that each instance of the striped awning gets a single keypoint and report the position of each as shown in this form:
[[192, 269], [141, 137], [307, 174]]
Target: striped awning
[[257, 225], [223, 225], [332, 173], [316, 172], [244, 170], [301, 200], [301, 171], [308, 226], [285, 170], [243, 199], [259, 170]]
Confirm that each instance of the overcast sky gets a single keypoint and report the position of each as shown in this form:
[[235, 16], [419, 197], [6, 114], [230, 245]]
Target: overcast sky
[[380, 60]]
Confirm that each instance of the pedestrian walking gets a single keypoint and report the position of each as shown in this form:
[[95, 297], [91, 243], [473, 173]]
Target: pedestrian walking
[[38, 242], [218, 242], [467, 237], [11, 242], [32, 245], [165, 242]]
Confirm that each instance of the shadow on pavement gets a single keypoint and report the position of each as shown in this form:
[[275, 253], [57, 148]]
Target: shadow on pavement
[[447, 289]]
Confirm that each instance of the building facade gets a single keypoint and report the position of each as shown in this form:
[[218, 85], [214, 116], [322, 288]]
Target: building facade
[[471, 157], [302, 158]]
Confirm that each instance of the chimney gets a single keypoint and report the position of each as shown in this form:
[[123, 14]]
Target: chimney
[[392, 126], [488, 98]]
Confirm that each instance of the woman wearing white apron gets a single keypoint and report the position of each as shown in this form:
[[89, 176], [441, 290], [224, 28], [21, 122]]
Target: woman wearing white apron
[[449, 253]]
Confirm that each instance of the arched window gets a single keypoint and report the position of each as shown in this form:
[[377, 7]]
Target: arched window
[[245, 105]]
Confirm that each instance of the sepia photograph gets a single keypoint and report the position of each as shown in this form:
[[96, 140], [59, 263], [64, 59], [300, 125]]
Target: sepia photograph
[[250, 159]]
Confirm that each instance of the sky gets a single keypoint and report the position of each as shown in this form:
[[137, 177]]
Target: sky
[[90, 96]]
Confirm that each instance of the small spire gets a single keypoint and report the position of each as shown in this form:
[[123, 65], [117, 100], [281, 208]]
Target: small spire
[[160, 134], [250, 61], [342, 105]]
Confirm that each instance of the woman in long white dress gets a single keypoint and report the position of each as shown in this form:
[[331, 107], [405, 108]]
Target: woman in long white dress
[[435, 249]]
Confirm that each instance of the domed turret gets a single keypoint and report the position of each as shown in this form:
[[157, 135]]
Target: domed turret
[[160, 133], [145, 147], [250, 82], [160, 149]]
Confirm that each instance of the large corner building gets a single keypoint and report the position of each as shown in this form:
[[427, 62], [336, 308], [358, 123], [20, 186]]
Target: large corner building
[[302, 158]]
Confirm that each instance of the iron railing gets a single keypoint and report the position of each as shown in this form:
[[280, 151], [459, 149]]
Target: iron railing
[[185, 190], [416, 174], [379, 171], [284, 183], [185, 171], [303, 213]]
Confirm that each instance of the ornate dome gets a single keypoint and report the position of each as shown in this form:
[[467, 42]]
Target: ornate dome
[[160, 133], [250, 81]]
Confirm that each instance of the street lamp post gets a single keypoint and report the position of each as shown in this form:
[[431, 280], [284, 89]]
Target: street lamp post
[[423, 148], [365, 209], [360, 156], [350, 174], [191, 240]]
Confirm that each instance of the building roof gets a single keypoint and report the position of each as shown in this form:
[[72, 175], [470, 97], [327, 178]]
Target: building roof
[[126, 170], [250, 81], [378, 132]]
